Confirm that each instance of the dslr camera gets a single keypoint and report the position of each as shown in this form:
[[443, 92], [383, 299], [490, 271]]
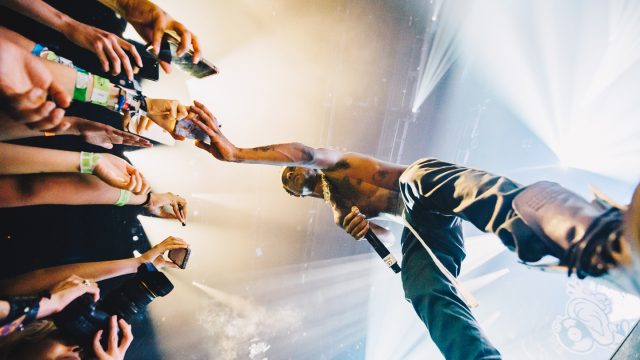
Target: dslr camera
[[83, 317]]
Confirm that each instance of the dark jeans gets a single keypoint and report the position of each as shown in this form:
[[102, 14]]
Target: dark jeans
[[436, 196]]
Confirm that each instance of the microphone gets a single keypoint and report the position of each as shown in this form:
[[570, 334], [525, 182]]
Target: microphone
[[382, 251]]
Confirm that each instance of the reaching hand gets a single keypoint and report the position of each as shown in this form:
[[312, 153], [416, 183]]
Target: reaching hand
[[168, 205], [355, 223], [165, 113], [120, 174], [102, 135], [109, 47], [25, 83], [155, 254], [114, 351], [65, 292], [221, 148], [151, 22]]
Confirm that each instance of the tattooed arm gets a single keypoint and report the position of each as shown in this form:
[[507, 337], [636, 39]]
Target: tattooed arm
[[292, 154]]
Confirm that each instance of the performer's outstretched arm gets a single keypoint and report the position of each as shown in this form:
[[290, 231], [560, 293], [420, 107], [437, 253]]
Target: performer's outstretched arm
[[291, 154]]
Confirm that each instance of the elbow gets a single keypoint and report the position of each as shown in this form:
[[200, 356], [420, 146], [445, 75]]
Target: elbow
[[16, 190], [308, 155]]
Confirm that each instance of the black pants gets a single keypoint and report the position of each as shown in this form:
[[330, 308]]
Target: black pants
[[436, 196]]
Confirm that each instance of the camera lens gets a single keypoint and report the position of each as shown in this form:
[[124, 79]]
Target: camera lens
[[135, 294], [81, 319]]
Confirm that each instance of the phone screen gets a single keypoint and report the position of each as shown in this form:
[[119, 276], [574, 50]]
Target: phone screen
[[180, 256], [168, 50]]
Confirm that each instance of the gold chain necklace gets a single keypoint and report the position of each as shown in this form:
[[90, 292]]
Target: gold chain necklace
[[326, 188]]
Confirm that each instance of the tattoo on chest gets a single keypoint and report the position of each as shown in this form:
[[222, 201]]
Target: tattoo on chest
[[380, 175], [340, 165]]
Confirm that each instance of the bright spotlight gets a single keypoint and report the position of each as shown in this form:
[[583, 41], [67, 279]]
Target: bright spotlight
[[440, 49]]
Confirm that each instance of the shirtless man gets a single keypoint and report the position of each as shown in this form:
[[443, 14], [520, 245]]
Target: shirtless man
[[433, 196]]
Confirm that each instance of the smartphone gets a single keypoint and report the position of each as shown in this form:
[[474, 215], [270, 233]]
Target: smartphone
[[168, 49], [180, 257]]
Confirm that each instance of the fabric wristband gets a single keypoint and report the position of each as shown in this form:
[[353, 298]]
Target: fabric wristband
[[52, 56], [100, 94], [23, 310], [82, 82], [124, 198], [88, 161]]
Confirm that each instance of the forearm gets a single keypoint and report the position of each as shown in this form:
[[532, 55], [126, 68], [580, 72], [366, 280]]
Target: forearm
[[18, 159], [11, 130], [41, 12], [59, 189], [45, 279], [278, 154], [131, 10]]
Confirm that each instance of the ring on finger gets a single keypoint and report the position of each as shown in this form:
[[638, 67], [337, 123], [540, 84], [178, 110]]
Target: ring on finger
[[86, 282]]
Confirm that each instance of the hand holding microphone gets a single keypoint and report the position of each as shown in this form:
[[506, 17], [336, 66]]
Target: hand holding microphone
[[357, 226]]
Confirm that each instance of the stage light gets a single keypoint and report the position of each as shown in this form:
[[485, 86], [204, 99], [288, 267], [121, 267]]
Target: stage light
[[574, 86], [440, 48]]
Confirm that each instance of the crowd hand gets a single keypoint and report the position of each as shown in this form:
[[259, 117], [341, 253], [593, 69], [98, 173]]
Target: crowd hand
[[156, 254], [113, 351], [101, 134], [221, 148], [25, 84], [165, 113], [109, 47], [355, 223], [168, 205], [119, 173], [151, 22], [65, 292]]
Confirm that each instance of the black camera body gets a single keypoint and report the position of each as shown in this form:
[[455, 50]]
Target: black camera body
[[83, 317]]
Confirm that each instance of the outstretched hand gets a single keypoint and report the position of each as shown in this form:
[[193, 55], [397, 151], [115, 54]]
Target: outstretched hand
[[165, 113], [102, 135], [119, 173], [221, 148], [65, 292], [151, 22], [355, 223], [109, 48], [155, 254], [168, 205]]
